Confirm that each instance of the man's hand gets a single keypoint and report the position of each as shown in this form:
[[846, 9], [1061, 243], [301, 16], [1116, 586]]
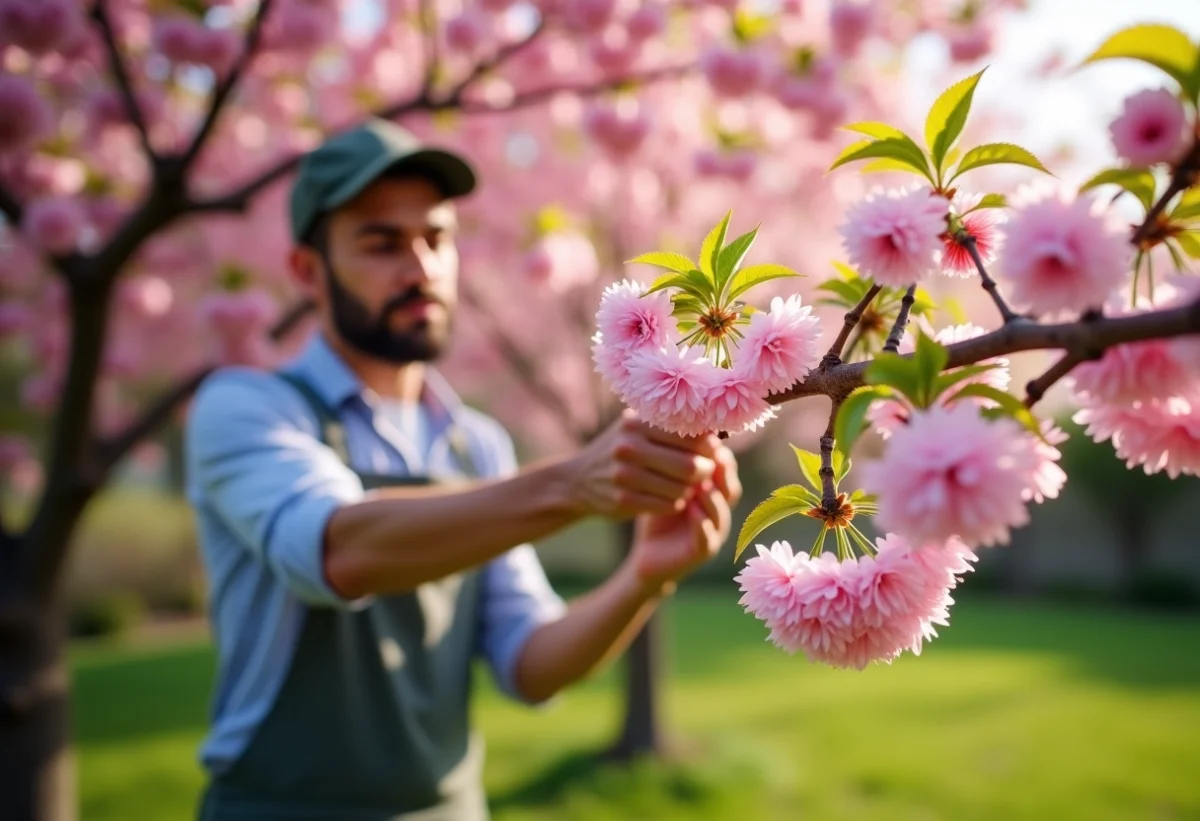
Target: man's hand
[[633, 468], [669, 546]]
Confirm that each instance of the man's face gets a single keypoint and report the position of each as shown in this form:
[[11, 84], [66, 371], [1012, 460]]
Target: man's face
[[391, 271]]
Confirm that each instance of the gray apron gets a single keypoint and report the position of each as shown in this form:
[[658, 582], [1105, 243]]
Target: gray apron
[[372, 721]]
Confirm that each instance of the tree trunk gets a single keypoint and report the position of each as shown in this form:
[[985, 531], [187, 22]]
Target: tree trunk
[[37, 773], [640, 731]]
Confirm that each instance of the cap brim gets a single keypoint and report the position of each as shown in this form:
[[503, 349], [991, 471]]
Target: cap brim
[[453, 175]]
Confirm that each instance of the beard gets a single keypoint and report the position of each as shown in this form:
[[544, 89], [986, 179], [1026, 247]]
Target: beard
[[374, 337]]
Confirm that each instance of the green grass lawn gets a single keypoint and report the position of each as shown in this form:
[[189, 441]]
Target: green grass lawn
[[1019, 711]]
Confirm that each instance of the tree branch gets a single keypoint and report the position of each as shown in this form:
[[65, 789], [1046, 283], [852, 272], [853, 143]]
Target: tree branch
[[967, 241], [828, 491], [1086, 339], [226, 85], [100, 15], [834, 356], [1184, 177], [429, 23], [892, 345], [10, 207], [1035, 389]]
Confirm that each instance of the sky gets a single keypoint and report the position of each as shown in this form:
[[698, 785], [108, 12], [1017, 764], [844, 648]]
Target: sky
[[1071, 105]]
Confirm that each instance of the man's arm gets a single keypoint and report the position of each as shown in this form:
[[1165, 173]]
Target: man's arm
[[598, 626], [304, 513]]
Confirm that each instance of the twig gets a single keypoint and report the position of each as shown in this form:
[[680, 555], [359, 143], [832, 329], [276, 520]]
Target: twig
[[892, 345], [10, 207], [1184, 177], [967, 241], [226, 84], [429, 23], [1035, 389], [501, 56], [1086, 338], [828, 491], [100, 15], [834, 356]]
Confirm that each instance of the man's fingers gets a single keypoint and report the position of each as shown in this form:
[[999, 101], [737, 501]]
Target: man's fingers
[[634, 502], [682, 466], [716, 508], [726, 475], [705, 445], [641, 480]]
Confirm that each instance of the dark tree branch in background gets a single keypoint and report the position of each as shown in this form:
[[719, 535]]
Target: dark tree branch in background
[[226, 84], [1085, 339], [492, 63], [834, 356], [1035, 389], [892, 345], [1006, 313], [429, 28], [532, 97], [10, 207], [100, 15]]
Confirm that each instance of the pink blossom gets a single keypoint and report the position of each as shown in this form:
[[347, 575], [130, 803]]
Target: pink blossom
[[148, 295], [562, 260], [300, 26], [851, 613], [1048, 477], [895, 237], [983, 225], [736, 405], [40, 26], [780, 346], [238, 313], [1158, 434], [1126, 374], [998, 377], [588, 16], [1152, 128], [731, 73], [54, 224], [14, 318], [670, 388], [178, 38], [466, 33], [614, 51], [849, 25], [734, 165], [612, 363], [969, 43], [629, 321], [619, 131], [1062, 254], [27, 117], [218, 49], [646, 22], [952, 473]]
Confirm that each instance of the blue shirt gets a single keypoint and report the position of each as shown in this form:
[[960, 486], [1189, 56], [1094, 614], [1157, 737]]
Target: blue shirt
[[263, 487]]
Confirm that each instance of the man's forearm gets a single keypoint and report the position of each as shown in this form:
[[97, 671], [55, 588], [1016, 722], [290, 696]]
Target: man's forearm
[[402, 538], [597, 627]]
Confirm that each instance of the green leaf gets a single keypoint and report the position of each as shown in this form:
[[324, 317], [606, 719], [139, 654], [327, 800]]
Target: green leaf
[[885, 165], [684, 304], [1009, 405], [693, 282], [997, 154], [860, 497], [730, 257], [1188, 206], [990, 201], [747, 278], [810, 467], [789, 500], [841, 466], [930, 358], [948, 115], [899, 372], [672, 262], [852, 415], [1137, 181], [712, 245], [849, 292], [946, 381], [1189, 241], [877, 130], [1164, 47], [903, 150]]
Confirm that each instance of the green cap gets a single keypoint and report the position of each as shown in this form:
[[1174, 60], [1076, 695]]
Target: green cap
[[335, 172]]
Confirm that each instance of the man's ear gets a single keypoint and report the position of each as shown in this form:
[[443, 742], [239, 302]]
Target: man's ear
[[305, 266]]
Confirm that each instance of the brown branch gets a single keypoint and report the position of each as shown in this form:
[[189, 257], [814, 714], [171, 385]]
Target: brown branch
[[112, 450], [225, 86], [1088, 339], [109, 36], [1184, 177], [892, 345], [239, 199], [1035, 389], [834, 356], [967, 241], [829, 500], [10, 207]]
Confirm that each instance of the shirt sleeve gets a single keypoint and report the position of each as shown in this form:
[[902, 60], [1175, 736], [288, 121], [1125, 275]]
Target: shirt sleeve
[[255, 462], [517, 596]]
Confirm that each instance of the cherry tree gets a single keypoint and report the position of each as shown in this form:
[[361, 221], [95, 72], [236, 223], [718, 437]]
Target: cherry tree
[[963, 457], [144, 155]]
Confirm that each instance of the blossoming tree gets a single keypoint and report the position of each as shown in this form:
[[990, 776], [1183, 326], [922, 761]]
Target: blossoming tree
[[143, 151], [963, 457]]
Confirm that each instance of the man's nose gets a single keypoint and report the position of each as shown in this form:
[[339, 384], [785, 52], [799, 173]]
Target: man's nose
[[421, 263]]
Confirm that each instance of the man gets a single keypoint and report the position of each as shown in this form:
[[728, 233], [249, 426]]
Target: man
[[366, 535]]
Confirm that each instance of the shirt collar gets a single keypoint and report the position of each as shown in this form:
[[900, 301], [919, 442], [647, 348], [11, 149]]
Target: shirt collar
[[336, 384]]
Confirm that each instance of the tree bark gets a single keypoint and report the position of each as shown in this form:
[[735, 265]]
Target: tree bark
[[641, 733], [37, 777]]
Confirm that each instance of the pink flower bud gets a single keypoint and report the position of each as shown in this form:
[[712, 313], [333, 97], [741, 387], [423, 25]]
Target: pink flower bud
[[27, 117], [620, 132], [218, 49], [614, 51], [970, 44], [849, 25], [647, 22], [177, 38], [301, 27], [466, 33], [1152, 128], [40, 26], [731, 73], [589, 16], [54, 224]]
